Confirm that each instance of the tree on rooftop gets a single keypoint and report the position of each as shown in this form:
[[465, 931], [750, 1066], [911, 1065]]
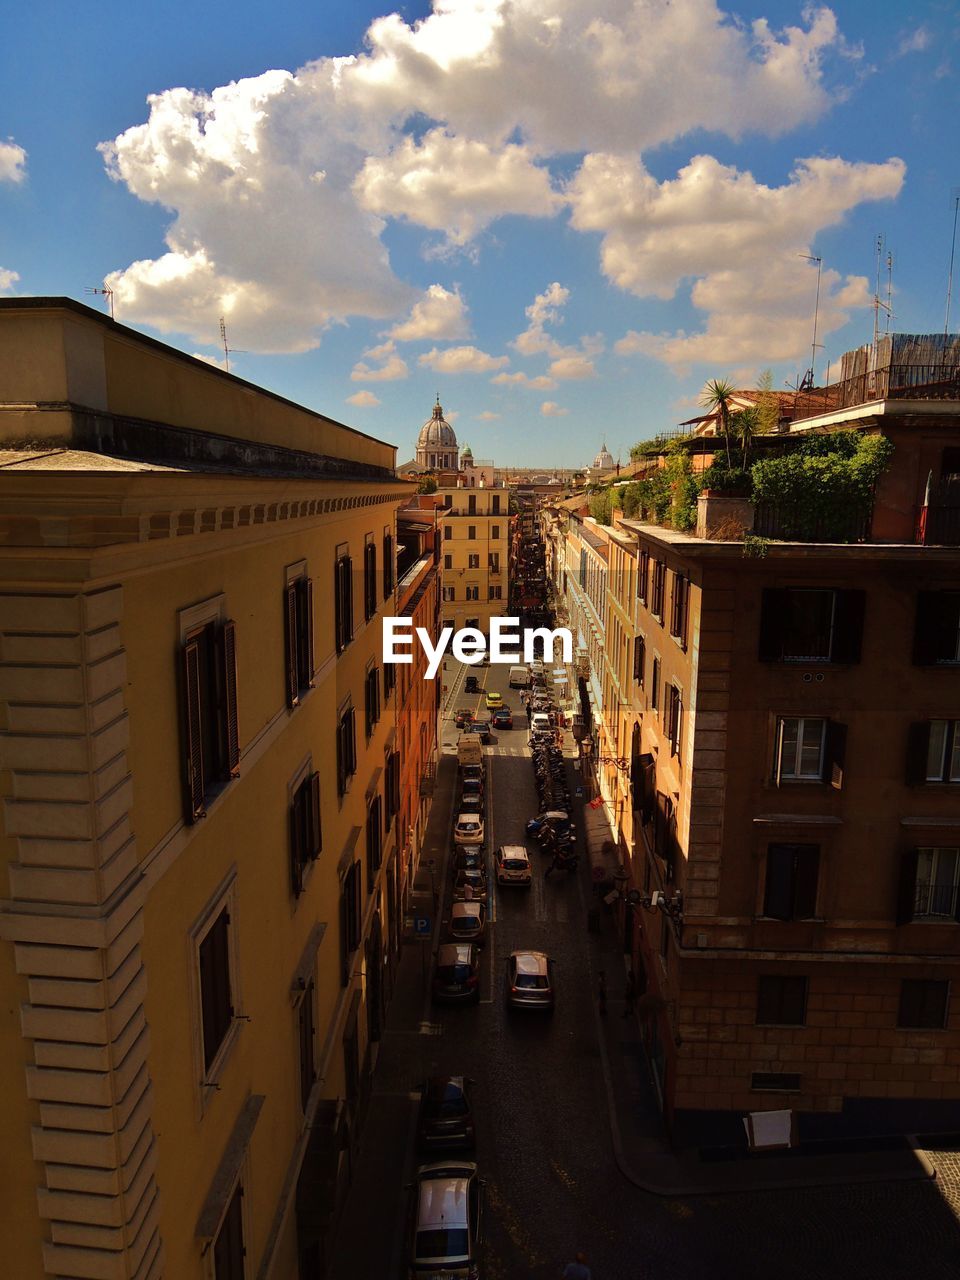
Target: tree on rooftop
[[427, 485], [716, 399], [744, 425], [768, 403]]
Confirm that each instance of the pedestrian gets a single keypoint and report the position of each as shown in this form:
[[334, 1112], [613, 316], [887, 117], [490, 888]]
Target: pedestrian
[[630, 995], [529, 715], [578, 1269], [602, 993]]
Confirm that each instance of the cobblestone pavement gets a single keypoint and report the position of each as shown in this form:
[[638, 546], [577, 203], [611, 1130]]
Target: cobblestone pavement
[[544, 1141]]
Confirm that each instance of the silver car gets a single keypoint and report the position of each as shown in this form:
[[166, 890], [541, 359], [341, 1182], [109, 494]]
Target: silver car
[[446, 1221], [530, 981]]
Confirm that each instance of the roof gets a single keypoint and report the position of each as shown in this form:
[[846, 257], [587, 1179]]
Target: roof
[[530, 961], [437, 432], [455, 953], [460, 909], [443, 1201]]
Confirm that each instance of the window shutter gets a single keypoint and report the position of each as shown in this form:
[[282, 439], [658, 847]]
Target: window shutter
[[928, 628], [305, 648], [834, 754], [848, 626], [345, 929], [296, 843], [918, 746], [342, 756], [290, 628], [773, 612], [778, 754], [907, 886], [315, 843], [352, 741], [231, 728], [217, 1009], [387, 565], [807, 870], [193, 738], [778, 890]]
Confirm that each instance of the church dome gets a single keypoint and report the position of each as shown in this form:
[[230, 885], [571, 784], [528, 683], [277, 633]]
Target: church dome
[[604, 460], [436, 432]]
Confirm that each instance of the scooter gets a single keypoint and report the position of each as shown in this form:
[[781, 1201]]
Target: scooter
[[563, 862]]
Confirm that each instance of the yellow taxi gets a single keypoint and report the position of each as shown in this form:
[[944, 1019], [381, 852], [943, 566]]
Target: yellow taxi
[[494, 700]]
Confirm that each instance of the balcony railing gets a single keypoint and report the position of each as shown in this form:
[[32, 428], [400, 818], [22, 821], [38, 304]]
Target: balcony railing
[[891, 382]]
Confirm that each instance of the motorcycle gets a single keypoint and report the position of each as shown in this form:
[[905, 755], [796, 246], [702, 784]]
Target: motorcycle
[[563, 862]]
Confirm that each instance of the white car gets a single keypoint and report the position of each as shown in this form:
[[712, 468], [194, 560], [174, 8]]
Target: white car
[[469, 829], [513, 865], [445, 1234], [468, 921], [540, 723]]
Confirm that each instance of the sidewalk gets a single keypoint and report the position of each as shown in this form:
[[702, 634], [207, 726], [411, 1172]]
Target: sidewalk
[[640, 1144]]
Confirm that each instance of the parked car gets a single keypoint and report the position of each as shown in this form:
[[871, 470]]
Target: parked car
[[474, 879], [468, 858], [482, 729], [512, 864], [468, 921], [469, 829], [445, 1119], [472, 773], [472, 787], [494, 700], [463, 718], [471, 684], [530, 982], [471, 804], [502, 718], [446, 1222], [457, 974]]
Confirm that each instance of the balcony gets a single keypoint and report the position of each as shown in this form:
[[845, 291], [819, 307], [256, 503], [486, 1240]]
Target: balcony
[[891, 382]]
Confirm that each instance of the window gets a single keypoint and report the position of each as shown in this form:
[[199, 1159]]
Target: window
[[343, 602], [298, 625], [494, 561], [447, 532], [781, 1001], [643, 577], [208, 697], [655, 685], [639, 659], [350, 918], [346, 750], [389, 678], [659, 577], [775, 1081], [472, 593], [448, 562], [216, 998], [923, 1004], [369, 580], [674, 722], [371, 699], [449, 593], [495, 507], [228, 1248], [471, 504], [471, 533], [937, 633], [305, 835], [494, 533], [496, 593], [391, 788], [929, 877], [790, 890], [306, 1036], [809, 749], [933, 752], [387, 565], [678, 608], [811, 624], [374, 840], [473, 562]]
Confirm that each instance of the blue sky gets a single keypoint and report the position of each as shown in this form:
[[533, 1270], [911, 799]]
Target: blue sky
[[562, 217]]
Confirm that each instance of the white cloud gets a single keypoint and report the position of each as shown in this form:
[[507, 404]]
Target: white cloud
[[279, 186], [550, 409], [8, 279], [545, 309], [13, 162], [455, 185], [439, 314], [391, 368], [540, 383], [487, 416], [739, 242], [218, 362], [461, 360], [573, 366], [915, 41], [364, 400]]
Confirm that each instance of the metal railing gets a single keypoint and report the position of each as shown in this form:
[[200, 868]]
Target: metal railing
[[891, 382]]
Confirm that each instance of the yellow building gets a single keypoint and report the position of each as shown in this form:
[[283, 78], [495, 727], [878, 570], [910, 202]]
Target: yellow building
[[476, 541], [198, 780]]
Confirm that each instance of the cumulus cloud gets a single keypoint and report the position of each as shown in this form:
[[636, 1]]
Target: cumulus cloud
[[439, 314], [736, 239], [915, 41], [540, 383], [218, 362], [487, 416], [461, 360], [550, 409], [567, 362], [280, 186], [390, 369], [8, 279], [364, 400], [13, 162]]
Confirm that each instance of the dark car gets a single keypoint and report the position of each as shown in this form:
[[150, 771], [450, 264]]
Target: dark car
[[471, 685], [457, 975], [471, 787], [468, 859], [482, 729], [502, 719], [463, 717], [445, 1119], [471, 803], [471, 773], [470, 886]]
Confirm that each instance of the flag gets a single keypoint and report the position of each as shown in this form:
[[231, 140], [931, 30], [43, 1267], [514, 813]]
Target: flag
[[922, 526]]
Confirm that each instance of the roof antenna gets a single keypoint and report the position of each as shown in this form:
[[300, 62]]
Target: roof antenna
[[226, 346], [809, 378], [105, 292], [953, 245]]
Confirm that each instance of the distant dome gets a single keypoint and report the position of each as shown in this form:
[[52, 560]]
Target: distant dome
[[604, 460], [467, 452], [436, 432]]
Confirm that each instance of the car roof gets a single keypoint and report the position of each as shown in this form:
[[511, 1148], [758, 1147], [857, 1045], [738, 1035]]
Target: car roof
[[444, 1087], [455, 953], [467, 817], [530, 961], [443, 1200], [513, 851], [467, 909]]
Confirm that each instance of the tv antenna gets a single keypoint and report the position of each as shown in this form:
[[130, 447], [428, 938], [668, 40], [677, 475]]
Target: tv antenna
[[105, 292], [809, 377], [226, 346], [879, 306], [955, 196]]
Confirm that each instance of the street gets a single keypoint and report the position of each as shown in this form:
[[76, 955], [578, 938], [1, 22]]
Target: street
[[544, 1142]]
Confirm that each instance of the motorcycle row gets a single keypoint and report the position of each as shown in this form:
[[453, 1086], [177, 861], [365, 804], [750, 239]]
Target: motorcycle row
[[553, 828]]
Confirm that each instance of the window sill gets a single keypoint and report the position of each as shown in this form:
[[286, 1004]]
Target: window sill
[[798, 920]]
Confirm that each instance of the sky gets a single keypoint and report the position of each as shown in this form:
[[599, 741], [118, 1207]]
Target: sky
[[562, 218]]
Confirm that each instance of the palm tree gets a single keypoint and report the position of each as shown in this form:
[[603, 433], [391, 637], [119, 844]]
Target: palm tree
[[716, 398], [745, 424]]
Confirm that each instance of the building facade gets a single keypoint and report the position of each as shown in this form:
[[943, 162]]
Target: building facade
[[476, 556], [199, 757]]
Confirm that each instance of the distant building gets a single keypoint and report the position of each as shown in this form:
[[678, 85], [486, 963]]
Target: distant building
[[437, 444], [602, 466]]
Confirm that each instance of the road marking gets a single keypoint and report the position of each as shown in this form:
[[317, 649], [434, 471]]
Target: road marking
[[431, 1028]]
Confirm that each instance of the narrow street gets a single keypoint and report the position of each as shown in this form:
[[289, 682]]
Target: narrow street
[[544, 1142]]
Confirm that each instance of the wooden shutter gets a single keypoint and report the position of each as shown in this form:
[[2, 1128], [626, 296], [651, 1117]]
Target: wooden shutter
[[315, 842], [778, 894], [918, 748], [352, 740], [848, 626], [338, 606], [290, 635], [342, 755], [778, 753], [229, 1251], [773, 613], [907, 886], [806, 876], [215, 997], [305, 633], [307, 1059], [190, 656], [639, 654], [835, 749], [387, 565], [369, 580], [297, 857], [230, 726]]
